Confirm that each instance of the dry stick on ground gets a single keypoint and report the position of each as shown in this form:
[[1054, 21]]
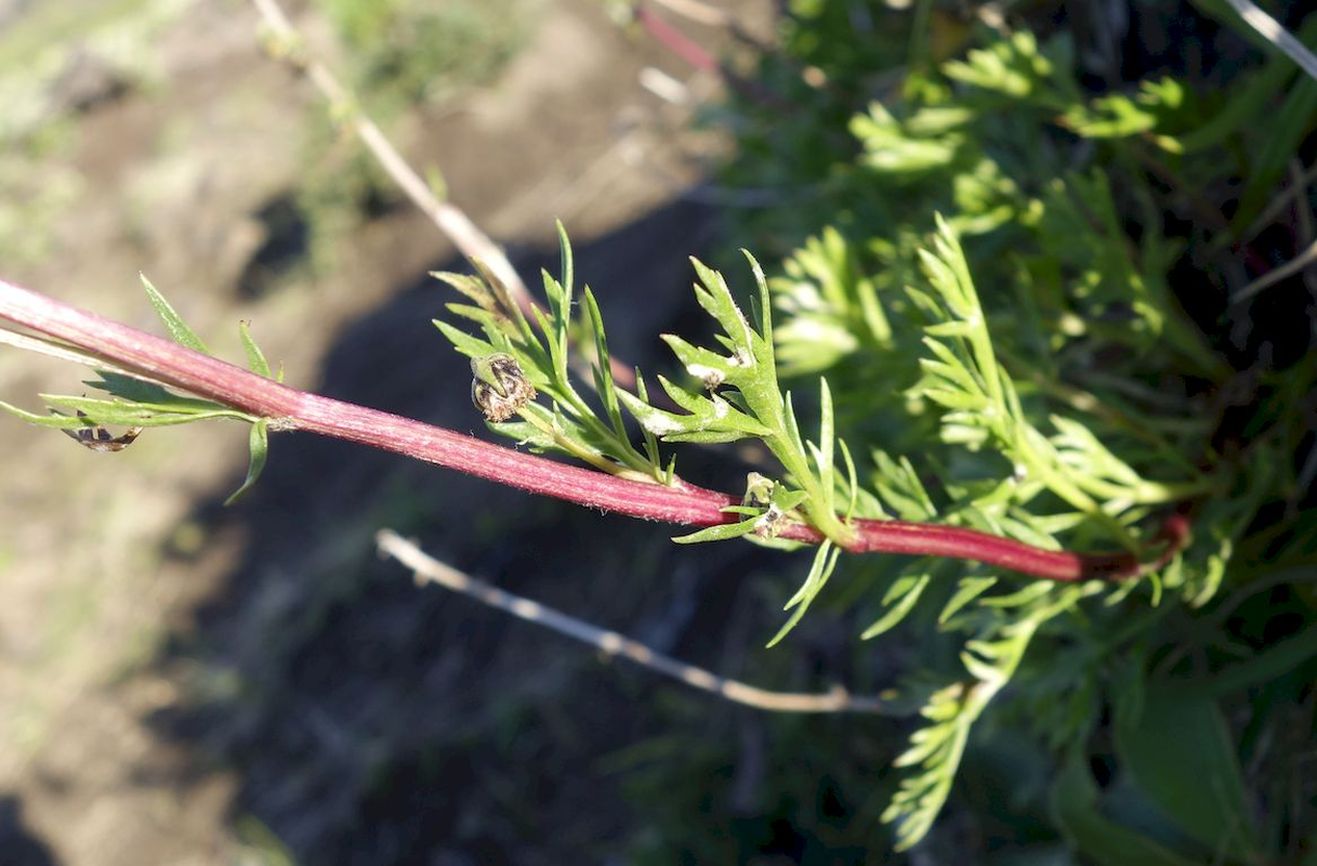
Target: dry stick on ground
[[427, 569], [1269, 28], [1295, 195], [1295, 265], [697, 11], [451, 220], [683, 503], [473, 243]]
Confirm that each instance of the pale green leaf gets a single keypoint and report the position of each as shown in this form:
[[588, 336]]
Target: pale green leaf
[[970, 588], [255, 357], [912, 588], [259, 445], [178, 329], [721, 532], [825, 560]]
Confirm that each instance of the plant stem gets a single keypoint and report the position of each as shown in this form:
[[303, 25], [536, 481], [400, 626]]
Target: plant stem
[[289, 409], [448, 218]]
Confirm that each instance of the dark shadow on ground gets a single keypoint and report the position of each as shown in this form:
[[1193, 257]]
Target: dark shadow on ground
[[19, 846], [374, 722]]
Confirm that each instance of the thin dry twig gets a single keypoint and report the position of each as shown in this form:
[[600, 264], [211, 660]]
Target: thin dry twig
[[1294, 194], [1293, 266], [697, 11], [473, 243], [427, 569], [451, 220], [1269, 28], [1299, 180]]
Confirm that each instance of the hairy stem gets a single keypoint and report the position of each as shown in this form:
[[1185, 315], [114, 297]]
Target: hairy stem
[[128, 349]]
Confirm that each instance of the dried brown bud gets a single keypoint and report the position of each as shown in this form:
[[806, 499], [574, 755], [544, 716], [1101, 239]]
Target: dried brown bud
[[499, 388], [97, 438]]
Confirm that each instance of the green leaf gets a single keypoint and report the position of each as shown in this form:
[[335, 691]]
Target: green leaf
[[1026, 595], [970, 588], [259, 445], [1074, 804], [711, 419], [1286, 129], [472, 347], [852, 478], [255, 357], [148, 393], [505, 301], [1180, 751], [1014, 68], [58, 422], [957, 400], [906, 591], [566, 266], [474, 313], [706, 437], [603, 370], [786, 499], [1278, 659], [721, 532], [950, 367], [935, 751], [792, 427], [709, 367], [178, 329], [825, 560], [651, 442], [899, 487], [765, 301], [469, 285], [824, 453], [130, 414], [897, 151], [558, 328], [526, 434], [716, 299]]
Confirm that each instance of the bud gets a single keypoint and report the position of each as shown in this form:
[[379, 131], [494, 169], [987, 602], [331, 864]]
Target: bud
[[499, 388]]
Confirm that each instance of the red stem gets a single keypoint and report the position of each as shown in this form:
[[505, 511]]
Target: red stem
[[694, 54], [682, 503]]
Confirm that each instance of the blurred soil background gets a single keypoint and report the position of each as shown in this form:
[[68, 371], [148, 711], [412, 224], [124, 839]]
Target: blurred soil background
[[188, 684]]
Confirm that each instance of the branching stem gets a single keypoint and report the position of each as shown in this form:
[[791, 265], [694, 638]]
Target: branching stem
[[135, 351]]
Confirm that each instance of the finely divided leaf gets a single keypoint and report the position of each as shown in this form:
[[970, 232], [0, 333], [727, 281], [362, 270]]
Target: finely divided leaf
[[825, 561]]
